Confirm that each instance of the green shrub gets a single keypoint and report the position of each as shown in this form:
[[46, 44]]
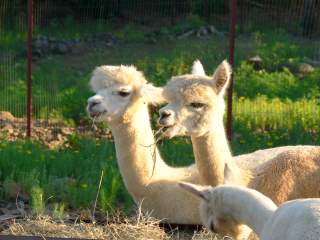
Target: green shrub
[[251, 83], [130, 33], [279, 49], [282, 84]]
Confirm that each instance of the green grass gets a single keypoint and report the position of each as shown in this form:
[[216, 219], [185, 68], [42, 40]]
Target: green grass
[[68, 179], [273, 106], [63, 177]]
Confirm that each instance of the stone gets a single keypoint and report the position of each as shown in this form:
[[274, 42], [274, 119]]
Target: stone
[[256, 61], [202, 32], [186, 34], [306, 68], [6, 116], [212, 29]]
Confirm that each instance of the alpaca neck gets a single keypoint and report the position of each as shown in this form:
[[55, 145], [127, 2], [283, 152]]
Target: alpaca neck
[[253, 209], [211, 152], [136, 151]]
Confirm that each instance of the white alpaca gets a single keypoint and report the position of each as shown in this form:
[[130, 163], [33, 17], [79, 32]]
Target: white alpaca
[[196, 108], [228, 205], [122, 98]]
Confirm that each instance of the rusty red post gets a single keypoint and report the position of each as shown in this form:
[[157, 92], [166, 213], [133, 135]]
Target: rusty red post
[[29, 67], [232, 36]]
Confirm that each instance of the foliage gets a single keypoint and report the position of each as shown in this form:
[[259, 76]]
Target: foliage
[[57, 176], [283, 84], [279, 49]]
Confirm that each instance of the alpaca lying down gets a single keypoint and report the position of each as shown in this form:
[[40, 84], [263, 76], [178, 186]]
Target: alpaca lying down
[[229, 204]]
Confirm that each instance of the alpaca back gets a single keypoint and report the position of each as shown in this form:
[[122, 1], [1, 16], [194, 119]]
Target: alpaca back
[[290, 175], [294, 220]]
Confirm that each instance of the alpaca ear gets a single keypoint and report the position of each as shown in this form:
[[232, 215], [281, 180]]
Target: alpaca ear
[[152, 94], [197, 68], [227, 174], [199, 191], [221, 77]]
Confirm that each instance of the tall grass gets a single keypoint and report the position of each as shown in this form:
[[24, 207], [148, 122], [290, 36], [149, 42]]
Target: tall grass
[[67, 177]]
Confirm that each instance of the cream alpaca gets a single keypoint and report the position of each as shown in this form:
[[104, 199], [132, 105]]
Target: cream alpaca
[[122, 98], [196, 108], [228, 205]]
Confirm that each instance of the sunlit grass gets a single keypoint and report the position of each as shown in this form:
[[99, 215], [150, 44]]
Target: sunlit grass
[[287, 113]]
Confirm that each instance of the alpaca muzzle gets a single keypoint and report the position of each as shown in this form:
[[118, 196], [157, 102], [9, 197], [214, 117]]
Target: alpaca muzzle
[[166, 118]]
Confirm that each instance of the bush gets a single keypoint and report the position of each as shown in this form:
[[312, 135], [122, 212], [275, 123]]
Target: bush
[[282, 84]]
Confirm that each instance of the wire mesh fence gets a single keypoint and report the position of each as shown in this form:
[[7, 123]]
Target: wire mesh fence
[[72, 37]]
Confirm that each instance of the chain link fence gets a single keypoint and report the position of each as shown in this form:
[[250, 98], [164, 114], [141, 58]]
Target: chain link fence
[[69, 37]]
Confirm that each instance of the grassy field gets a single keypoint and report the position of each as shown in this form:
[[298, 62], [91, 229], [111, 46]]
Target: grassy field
[[273, 106]]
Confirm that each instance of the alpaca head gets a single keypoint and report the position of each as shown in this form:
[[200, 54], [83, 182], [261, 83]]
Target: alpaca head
[[119, 90], [195, 101], [213, 212]]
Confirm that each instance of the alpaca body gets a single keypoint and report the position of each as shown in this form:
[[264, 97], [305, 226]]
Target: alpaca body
[[290, 175], [294, 220], [258, 158]]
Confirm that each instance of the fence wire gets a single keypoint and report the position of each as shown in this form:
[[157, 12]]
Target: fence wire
[[67, 30]]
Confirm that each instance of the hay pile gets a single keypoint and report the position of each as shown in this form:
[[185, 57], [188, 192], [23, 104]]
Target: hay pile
[[137, 228]]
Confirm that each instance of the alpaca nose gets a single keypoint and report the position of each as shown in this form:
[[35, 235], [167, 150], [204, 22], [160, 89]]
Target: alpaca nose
[[164, 115], [92, 104]]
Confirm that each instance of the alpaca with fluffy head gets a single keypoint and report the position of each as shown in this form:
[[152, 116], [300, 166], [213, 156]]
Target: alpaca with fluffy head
[[121, 99], [196, 107], [227, 205]]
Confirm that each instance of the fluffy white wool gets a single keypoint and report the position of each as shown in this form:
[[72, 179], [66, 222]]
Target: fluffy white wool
[[293, 220], [106, 76]]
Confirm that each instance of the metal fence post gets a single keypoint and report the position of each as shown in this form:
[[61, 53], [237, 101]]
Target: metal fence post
[[29, 67], [232, 36]]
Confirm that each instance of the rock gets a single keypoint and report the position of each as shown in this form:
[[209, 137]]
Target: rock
[[186, 34], [256, 61], [6, 116], [305, 68], [202, 32], [212, 29], [8, 129], [66, 131]]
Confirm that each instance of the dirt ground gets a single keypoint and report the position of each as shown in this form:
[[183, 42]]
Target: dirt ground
[[52, 133]]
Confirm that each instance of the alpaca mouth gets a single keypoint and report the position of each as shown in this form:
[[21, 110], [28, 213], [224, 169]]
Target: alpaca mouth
[[167, 129], [164, 129], [97, 114]]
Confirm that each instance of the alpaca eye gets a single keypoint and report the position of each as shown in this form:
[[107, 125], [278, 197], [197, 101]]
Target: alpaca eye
[[123, 93], [197, 105]]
